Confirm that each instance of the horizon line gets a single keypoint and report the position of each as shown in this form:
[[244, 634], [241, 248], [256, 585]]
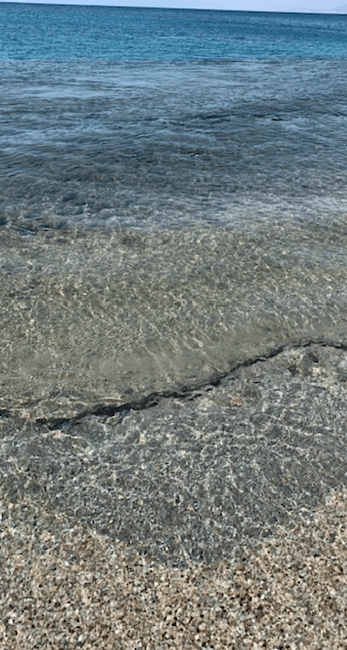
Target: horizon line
[[116, 6]]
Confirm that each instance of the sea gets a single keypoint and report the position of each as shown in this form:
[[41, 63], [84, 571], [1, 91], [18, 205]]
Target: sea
[[172, 197]]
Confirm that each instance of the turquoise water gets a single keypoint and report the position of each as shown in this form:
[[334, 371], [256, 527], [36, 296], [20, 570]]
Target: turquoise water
[[132, 117], [29, 31]]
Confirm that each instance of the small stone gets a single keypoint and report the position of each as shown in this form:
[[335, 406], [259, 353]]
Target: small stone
[[305, 364], [236, 400]]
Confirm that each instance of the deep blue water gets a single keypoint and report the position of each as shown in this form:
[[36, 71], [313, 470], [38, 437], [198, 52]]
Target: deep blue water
[[36, 31]]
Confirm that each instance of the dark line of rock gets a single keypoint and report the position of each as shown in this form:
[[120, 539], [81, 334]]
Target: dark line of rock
[[185, 392]]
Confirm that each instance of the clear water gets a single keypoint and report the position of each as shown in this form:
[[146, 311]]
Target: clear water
[[172, 196]]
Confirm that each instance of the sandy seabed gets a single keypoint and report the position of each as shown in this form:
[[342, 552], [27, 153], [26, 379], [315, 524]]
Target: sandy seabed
[[63, 586]]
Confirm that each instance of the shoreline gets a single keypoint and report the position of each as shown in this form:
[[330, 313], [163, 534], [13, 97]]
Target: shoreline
[[72, 578], [63, 586]]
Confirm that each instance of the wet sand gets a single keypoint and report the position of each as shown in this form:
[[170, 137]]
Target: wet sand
[[65, 587]]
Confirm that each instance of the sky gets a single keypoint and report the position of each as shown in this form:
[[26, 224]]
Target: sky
[[306, 6]]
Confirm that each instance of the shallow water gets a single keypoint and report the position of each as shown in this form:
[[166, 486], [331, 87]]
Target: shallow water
[[162, 218], [147, 144], [113, 316]]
